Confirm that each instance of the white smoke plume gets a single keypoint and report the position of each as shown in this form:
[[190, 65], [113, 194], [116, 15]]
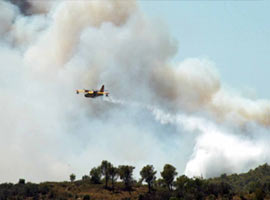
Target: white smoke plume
[[158, 112]]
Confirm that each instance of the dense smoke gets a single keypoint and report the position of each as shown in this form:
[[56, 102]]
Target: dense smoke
[[158, 112], [32, 7]]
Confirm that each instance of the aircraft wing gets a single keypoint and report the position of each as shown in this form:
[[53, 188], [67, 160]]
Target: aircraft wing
[[85, 91]]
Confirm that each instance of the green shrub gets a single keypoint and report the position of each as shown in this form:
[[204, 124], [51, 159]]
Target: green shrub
[[86, 197]]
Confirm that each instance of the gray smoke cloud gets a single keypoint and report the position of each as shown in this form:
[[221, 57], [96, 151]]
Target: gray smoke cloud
[[158, 112], [32, 7]]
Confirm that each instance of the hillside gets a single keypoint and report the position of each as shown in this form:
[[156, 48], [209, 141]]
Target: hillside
[[253, 185]]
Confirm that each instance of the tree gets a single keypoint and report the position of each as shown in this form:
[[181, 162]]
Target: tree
[[113, 174], [95, 175], [181, 183], [21, 181], [168, 174], [125, 173], [105, 166], [85, 178], [148, 175], [72, 177]]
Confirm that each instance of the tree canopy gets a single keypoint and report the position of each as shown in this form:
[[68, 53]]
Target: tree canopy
[[104, 167], [126, 173], [168, 174], [148, 175]]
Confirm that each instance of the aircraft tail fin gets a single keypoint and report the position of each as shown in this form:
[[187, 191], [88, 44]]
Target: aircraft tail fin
[[102, 89]]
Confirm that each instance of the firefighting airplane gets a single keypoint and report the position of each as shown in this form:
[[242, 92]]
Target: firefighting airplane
[[93, 93]]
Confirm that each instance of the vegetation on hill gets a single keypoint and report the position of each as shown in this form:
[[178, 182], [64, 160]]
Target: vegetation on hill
[[103, 183]]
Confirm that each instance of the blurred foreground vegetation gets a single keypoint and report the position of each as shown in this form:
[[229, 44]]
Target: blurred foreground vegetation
[[117, 183]]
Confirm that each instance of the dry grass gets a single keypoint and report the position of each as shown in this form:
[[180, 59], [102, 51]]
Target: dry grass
[[79, 189]]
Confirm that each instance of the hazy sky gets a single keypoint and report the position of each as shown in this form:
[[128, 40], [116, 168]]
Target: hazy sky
[[233, 34], [166, 105]]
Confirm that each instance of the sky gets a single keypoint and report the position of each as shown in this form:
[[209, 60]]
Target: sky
[[233, 34], [182, 77]]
